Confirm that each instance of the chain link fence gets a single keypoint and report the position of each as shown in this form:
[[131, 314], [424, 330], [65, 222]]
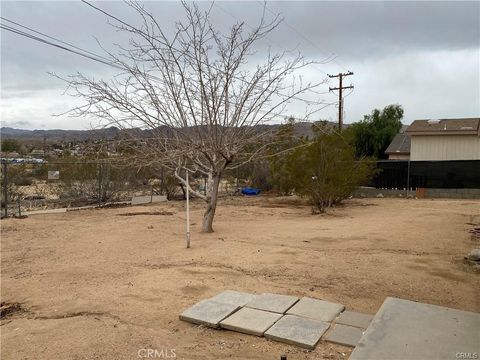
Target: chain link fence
[[50, 185], [403, 174], [32, 186]]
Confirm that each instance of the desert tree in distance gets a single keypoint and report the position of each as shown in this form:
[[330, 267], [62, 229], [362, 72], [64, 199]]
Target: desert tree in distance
[[197, 93]]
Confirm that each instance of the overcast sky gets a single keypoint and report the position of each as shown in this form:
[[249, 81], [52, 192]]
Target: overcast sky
[[422, 55]]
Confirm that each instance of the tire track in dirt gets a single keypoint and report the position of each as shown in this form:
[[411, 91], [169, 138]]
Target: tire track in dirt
[[349, 250], [279, 274]]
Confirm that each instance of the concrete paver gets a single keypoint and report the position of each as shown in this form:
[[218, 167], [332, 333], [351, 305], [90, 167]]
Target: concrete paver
[[298, 331], [316, 309], [273, 302], [234, 297], [356, 319], [250, 321], [344, 335], [208, 312]]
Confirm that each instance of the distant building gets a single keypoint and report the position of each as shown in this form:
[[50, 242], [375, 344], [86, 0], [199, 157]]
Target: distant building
[[10, 155], [399, 148], [37, 152], [445, 139]]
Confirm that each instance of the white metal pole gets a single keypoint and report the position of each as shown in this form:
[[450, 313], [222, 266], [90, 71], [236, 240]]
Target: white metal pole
[[188, 212]]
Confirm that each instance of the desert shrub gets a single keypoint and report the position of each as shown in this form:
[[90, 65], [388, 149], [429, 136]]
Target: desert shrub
[[323, 170], [169, 185], [102, 182], [23, 181], [17, 178], [95, 182], [281, 166], [19, 174], [260, 176], [255, 173], [9, 145]]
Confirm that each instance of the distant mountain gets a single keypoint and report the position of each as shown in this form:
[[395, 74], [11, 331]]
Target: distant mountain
[[58, 134], [301, 129]]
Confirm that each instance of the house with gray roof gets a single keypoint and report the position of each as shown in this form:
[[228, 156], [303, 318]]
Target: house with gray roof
[[445, 139], [434, 154], [399, 148]]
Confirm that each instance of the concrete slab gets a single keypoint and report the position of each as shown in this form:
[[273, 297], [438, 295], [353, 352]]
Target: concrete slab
[[50, 211], [234, 297], [344, 335], [316, 309], [250, 321], [208, 312], [273, 302], [356, 319], [298, 331], [404, 329], [63, 210], [147, 199]]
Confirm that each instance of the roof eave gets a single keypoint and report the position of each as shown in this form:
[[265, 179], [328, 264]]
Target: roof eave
[[443, 132]]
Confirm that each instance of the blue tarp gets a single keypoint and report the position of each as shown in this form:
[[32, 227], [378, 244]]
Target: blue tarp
[[250, 191]]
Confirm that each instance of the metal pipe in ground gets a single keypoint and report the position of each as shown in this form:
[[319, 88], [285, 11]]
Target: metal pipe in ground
[[188, 211]]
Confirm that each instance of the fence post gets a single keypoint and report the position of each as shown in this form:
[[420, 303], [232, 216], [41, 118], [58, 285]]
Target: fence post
[[5, 186], [408, 178], [99, 179], [106, 180]]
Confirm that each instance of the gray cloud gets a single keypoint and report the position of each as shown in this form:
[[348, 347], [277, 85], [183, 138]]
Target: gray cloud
[[18, 124], [423, 55], [371, 29]]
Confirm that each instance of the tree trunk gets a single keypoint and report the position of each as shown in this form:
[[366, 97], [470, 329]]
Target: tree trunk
[[183, 192], [212, 197]]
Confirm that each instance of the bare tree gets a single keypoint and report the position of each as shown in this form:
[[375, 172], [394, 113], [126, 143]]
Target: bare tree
[[197, 95]]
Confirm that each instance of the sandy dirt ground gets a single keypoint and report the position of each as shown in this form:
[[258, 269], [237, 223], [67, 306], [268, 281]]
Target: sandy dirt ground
[[94, 284]]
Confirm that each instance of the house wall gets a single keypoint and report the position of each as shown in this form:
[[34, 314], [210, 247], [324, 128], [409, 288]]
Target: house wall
[[445, 147]]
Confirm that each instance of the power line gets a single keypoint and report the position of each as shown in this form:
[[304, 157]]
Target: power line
[[173, 48], [22, 33], [340, 103], [251, 27], [36, 38], [93, 56], [53, 38], [304, 37], [274, 42], [101, 59]]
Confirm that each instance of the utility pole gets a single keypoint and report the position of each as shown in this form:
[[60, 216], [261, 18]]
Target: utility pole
[[340, 88]]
